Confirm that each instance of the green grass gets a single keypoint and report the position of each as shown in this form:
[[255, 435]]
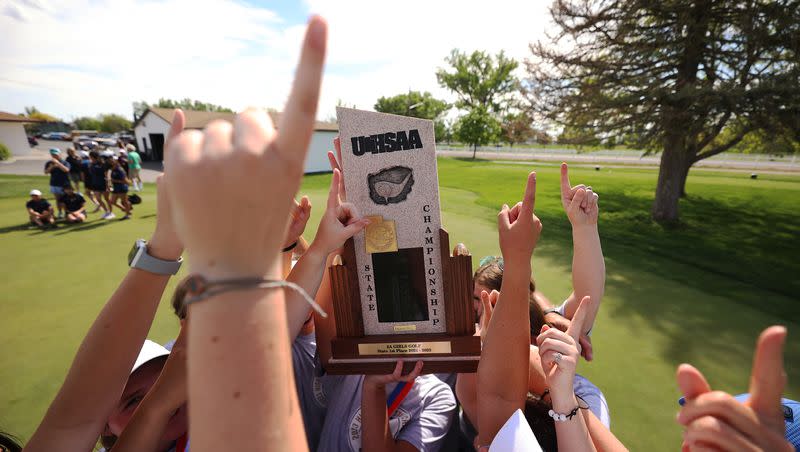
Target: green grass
[[699, 291]]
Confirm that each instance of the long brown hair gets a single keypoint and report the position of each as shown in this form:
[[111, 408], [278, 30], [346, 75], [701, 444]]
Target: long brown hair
[[490, 275]]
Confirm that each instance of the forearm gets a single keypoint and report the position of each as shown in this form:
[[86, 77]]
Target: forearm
[[375, 433], [325, 328], [572, 435], [101, 366], [146, 427], [238, 342], [503, 368], [602, 438], [588, 271], [307, 273]]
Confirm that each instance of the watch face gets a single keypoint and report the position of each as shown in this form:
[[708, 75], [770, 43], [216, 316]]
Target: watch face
[[133, 252]]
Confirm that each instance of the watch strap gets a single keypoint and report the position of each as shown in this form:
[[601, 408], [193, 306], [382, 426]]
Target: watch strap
[[154, 265]]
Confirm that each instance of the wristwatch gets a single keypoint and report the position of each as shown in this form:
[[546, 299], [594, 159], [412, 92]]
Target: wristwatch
[[138, 258]]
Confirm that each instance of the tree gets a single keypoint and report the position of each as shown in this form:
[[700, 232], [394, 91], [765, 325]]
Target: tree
[[414, 104], [34, 113], [417, 105], [479, 80], [185, 104], [114, 123], [671, 74], [477, 128], [516, 128], [87, 123], [485, 85]]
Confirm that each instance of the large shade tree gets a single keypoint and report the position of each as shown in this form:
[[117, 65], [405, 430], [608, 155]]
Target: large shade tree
[[674, 74]]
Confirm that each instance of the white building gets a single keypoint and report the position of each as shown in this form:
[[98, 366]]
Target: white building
[[152, 127], [12, 133]]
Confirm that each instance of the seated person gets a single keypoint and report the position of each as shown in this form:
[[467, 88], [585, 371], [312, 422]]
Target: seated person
[[74, 204], [40, 211]]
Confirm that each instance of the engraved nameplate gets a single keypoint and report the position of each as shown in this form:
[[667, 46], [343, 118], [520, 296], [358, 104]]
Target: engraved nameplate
[[404, 348]]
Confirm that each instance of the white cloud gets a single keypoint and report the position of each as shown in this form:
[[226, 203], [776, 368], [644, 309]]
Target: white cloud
[[79, 57]]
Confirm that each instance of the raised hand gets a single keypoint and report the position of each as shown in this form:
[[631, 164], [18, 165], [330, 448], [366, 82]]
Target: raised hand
[[299, 215], [714, 420], [165, 243], [256, 172], [335, 161], [562, 323], [559, 352], [519, 228], [340, 222], [580, 202]]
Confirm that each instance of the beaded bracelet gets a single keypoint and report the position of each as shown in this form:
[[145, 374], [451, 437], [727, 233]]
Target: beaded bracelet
[[558, 417]]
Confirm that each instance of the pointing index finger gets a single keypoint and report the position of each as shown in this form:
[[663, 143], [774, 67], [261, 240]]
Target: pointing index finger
[[333, 194], [297, 121], [576, 325], [565, 186], [529, 200]]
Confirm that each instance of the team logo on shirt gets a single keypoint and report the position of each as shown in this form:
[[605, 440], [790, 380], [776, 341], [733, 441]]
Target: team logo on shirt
[[397, 421], [319, 392]]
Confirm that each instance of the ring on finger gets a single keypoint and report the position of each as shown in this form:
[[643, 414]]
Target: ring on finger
[[558, 357]]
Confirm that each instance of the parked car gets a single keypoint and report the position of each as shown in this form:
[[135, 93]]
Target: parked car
[[63, 136], [32, 141], [106, 142], [128, 138], [82, 141]]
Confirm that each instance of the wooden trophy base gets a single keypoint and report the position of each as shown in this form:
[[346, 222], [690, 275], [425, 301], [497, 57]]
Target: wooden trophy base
[[440, 353], [455, 350]]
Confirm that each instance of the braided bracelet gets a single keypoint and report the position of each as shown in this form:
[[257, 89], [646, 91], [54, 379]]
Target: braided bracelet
[[199, 288]]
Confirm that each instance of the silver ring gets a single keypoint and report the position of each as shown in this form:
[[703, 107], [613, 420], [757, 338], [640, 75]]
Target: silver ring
[[558, 357]]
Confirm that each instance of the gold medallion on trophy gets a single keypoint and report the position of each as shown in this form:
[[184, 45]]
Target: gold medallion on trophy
[[381, 235]]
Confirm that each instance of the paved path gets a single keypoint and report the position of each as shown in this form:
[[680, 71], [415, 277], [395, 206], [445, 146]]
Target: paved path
[[33, 163]]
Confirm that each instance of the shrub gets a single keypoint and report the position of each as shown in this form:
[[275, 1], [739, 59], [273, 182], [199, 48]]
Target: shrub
[[5, 154]]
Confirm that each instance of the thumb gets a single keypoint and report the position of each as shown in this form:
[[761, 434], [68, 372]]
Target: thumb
[[503, 220], [691, 382], [355, 227], [768, 377]]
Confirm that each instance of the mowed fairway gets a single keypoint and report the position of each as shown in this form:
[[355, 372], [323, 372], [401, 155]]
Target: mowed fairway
[[699, 291]]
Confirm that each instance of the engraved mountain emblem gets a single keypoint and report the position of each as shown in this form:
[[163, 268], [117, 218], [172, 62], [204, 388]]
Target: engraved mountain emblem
[[390, 185]]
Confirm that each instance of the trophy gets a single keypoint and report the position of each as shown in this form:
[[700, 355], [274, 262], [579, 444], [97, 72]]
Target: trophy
[[398, 293]]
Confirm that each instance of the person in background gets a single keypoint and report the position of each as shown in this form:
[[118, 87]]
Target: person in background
[[119, 190], [74, 161], [102, 364], [122, 158], [97, 184], [58, 170], [134, 167], [74, 204], [86, 163], [40, 211]]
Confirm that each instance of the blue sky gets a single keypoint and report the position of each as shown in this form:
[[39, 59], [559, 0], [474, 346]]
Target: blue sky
[[73, 58]]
